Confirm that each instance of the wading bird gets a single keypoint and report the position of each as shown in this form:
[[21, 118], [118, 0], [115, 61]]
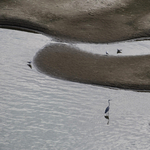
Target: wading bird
[[29, 64], [108, 107]]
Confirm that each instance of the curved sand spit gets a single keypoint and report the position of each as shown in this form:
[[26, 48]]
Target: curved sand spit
[[62, 61], [88, 21]]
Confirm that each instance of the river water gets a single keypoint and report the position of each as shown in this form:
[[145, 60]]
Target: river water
[[38, 112]]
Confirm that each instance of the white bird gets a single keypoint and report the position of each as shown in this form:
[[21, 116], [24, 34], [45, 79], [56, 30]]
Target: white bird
[[107, 53]]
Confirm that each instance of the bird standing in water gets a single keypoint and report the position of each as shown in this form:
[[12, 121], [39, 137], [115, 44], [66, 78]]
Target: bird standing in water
[[108, 107], [29, 64]]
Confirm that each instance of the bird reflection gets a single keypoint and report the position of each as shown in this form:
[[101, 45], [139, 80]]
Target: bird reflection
[[29, 64], [107, 117]]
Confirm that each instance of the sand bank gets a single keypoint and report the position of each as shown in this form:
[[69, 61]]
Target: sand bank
[[65, 62], [88, 21]]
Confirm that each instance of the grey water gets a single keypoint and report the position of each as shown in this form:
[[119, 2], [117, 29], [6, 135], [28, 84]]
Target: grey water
[[38, 112]]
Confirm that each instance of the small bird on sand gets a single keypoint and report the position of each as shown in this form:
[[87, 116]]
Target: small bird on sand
[[119, 51], [29, 64], [107, 53]]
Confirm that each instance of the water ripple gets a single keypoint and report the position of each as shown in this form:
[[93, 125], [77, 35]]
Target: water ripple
[[40, 112]]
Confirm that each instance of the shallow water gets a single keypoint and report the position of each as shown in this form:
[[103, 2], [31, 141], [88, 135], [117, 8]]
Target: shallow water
[[128, 48], [39, 112]]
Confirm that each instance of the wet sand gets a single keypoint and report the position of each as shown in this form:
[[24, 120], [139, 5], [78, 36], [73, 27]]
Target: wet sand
[[65, 62], [85, 21]]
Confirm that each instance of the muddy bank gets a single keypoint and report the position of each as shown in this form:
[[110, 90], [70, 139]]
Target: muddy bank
[[87, 21], [65, 62]]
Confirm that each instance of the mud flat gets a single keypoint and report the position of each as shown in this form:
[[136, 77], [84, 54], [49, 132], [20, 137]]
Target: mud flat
[[88, 21], [66, 62]]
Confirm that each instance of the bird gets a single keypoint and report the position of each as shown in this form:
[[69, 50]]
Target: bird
[[119, 51], [108, 107], [29, 64], [107, 53]]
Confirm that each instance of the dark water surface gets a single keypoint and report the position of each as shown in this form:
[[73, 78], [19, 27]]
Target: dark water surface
[[40, 112]]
